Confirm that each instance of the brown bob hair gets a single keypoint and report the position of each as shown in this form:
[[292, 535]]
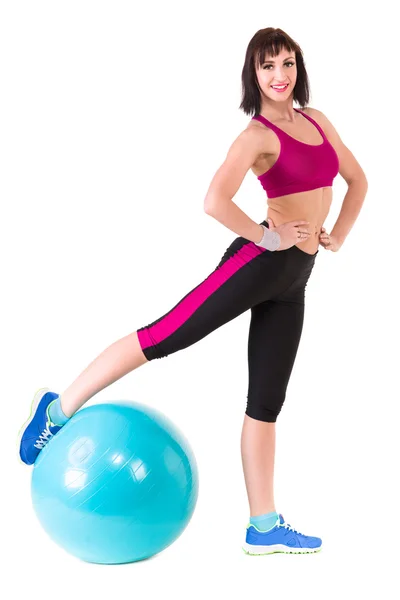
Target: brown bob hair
[[270, 41]]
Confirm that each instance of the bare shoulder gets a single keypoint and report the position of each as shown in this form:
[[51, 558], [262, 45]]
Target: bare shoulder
[[315, 114], [349, 168], [262, 136], [250, 142], [322, 121]]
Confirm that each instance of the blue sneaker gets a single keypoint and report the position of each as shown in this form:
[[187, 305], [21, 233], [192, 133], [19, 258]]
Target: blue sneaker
[[38, 429], [281, 538]]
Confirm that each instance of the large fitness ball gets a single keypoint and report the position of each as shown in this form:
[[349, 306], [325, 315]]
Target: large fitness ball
[[117, 484]]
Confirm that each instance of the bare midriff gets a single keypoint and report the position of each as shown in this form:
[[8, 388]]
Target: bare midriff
[[312, 206]]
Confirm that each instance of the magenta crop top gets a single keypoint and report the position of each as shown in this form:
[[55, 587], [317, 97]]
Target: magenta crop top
[[300, 167]]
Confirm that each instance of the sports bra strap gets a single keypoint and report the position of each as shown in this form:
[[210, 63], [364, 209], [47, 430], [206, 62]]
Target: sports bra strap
[[279, 130], [267, 123], [312, 121]]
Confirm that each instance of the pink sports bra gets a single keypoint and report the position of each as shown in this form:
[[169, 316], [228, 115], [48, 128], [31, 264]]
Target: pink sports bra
[[300, 167]]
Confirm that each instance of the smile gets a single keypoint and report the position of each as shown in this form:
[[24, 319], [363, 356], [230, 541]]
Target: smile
[[279, 88]]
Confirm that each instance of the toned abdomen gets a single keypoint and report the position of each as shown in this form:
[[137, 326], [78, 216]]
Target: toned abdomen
[[312, 206]]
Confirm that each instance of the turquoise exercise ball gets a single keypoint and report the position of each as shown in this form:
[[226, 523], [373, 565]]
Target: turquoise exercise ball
[[117, 484]]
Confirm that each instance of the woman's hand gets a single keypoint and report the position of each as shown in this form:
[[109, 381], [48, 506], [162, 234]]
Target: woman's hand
[[329, 242], [291, 233]]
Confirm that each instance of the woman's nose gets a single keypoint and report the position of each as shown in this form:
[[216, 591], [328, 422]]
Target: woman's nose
[[279, 74]]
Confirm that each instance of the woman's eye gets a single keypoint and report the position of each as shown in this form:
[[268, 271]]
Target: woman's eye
[[288, 63]]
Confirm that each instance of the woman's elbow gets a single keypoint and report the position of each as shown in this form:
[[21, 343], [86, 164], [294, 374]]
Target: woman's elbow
[[207, 206], [213, 203]]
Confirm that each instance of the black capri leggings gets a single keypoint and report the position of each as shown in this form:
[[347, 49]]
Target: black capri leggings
[[272, 285]]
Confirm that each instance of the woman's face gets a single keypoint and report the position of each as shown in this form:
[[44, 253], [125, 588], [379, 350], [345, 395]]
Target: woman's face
[[275, 71]]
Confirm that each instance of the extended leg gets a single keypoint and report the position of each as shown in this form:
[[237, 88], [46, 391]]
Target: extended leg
[[117, 360], [231, 289]]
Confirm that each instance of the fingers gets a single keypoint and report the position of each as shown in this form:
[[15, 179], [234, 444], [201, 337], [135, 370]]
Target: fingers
[[304, 233], [325, 241]]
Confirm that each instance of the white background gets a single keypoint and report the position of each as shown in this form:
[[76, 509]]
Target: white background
[[114, 118]]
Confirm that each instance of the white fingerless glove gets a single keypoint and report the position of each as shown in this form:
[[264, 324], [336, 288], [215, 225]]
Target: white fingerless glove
[[271, 240]]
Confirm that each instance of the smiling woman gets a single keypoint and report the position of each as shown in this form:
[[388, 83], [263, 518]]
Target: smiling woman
[[273, 58], [299, 153], [296, 154]]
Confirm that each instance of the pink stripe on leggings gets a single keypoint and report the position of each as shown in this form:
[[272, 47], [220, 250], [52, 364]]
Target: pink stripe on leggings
[[181, 313]]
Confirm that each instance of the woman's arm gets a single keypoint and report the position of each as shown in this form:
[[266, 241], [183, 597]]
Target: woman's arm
[[227, 180], [351, 206], [351, 172]]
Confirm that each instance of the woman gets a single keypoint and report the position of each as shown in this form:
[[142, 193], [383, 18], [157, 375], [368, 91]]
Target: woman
[[295, 154]]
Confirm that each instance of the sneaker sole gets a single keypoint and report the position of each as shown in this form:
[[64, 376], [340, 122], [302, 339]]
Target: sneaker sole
[[277, 548], [35, 403]]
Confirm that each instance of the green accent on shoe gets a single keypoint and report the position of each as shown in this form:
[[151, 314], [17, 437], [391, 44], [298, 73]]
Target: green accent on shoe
[[30, 415], [310, 551], [48, 414]]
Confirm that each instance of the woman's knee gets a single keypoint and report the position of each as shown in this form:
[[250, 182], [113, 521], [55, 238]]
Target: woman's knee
[[264, 409], [149, 347]]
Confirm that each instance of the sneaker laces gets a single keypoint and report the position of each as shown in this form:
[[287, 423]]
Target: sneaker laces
[[290, 528], [44, 437]]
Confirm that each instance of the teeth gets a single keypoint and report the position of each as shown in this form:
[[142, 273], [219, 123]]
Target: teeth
[[279, 87]]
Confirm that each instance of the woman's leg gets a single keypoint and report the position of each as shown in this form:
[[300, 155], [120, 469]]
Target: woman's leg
[[274, 336], [117, 360], [231, 289], [258, 458]]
